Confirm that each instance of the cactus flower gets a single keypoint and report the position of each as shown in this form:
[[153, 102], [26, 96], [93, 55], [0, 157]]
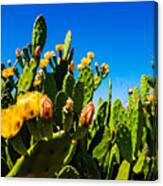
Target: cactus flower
[[36, 82], [8, 72], [85, 61], [49, 54], [44, 63], [38, 52], [87, 114], [71, 67], [150, 98], [105, 68], [80, 66], [18, 52], [90, 55], [59, 47], [69, 105], [46, 108]]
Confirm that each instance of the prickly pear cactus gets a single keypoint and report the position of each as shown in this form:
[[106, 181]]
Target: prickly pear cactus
[[39, 34], [51, 128]]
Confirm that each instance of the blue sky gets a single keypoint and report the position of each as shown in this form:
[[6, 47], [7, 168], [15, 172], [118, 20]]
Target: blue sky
[[120, 34]]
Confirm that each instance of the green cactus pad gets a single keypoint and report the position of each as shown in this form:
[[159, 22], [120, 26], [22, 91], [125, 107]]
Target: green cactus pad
[[124, 170], [60, 101], [117, 114], [26, 79], [100, 151], [39, 33], [67, 44], [138, 167], [86, 166], [68, 84], [18, 145], [123, 140], [68, 172], [43, 159], [86, 76], [97, 81], [78, 96], [49, 86], [144, 88]]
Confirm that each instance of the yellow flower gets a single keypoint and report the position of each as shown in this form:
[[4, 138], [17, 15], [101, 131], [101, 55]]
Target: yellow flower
[[90, 55], [12, 121], [49, 54], [150, 98], [105, 68], [29, 104], [36, 82], [59, 47], [85, 61], [71, 67], [44, 63], [8, 72], [80, 66], [69, 105]]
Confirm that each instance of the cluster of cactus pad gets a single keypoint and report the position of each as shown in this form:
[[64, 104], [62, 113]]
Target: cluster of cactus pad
[[48, 127]]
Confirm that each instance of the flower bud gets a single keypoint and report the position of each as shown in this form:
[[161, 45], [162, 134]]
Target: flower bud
[[18, 52], [38, 52], [46, 108], [87, 114]]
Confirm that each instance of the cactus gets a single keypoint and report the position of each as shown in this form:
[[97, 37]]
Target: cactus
[[39, 34], [86, 76], [123, 140], [67, 44], [124, 169], [35, 165], [68, 172], [48, 124]]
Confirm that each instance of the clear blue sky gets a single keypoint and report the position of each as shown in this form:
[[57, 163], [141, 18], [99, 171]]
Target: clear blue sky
[[120, 34]]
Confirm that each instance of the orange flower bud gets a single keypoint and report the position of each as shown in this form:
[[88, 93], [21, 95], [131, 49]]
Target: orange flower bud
[[18, 52], [46, 108], [69, 105], [87, 114]]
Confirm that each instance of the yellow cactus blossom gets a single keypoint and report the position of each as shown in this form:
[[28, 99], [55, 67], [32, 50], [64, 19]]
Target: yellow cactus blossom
[[11, 121], [80, 67], [150, 98], [59, 47], [43, 63], [90, 55], [28, 106], [71, 67], [8, 72], [85, 61], [49, 54], [105, 68], [36, 82]]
